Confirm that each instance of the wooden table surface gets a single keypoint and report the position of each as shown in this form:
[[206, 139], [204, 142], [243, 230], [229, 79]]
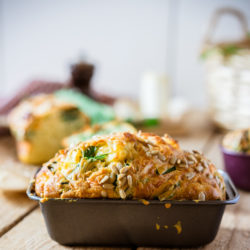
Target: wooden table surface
[[22, 225]]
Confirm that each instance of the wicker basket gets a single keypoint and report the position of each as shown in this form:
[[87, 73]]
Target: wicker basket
[[228, 75]]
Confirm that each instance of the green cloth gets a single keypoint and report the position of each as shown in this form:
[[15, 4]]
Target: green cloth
[[97, 112]]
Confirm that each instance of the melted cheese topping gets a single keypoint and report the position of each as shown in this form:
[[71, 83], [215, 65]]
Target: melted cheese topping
[[124, 165]]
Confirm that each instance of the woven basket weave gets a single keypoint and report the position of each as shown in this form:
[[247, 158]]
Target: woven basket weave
[[228, 75]]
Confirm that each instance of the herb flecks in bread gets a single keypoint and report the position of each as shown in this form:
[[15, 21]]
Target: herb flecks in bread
[[126, 166]]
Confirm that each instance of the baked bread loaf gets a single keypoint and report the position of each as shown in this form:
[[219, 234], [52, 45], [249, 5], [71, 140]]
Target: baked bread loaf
[[125, 165], [237, 141], [40, 123], [98, 129]]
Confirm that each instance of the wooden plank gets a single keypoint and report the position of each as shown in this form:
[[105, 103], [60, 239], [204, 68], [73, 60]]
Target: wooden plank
[[14, 175], [28, 234], [228, 221], [213, 151], [197, 141], [31, 232], [13, 206], [240, 238], [234, 232]]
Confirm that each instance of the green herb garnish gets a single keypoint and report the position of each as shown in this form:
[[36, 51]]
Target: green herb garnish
[[90, 154], [177, 184], [169, 170], [166, 171], [100, 157], [170, 196], [64, 182], [163, 196], [126, 163], [29, 134], [51, 168], [70, 114], [115, 181]]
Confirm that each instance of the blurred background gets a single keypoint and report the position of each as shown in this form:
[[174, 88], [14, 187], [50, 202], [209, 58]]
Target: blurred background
[[147, 57], [39, 40]]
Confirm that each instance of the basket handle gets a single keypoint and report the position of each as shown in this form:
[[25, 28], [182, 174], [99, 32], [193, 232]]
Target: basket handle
[[218, 15]]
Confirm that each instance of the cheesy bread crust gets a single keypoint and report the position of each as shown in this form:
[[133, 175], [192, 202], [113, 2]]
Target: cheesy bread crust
[[125, 165], [39, 124]]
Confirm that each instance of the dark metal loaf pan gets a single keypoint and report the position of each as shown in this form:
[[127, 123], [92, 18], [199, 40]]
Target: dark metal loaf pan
[[107, 222]]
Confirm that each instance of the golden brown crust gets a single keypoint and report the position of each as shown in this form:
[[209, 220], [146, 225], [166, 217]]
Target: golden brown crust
[[126, 165], [40, 123]]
